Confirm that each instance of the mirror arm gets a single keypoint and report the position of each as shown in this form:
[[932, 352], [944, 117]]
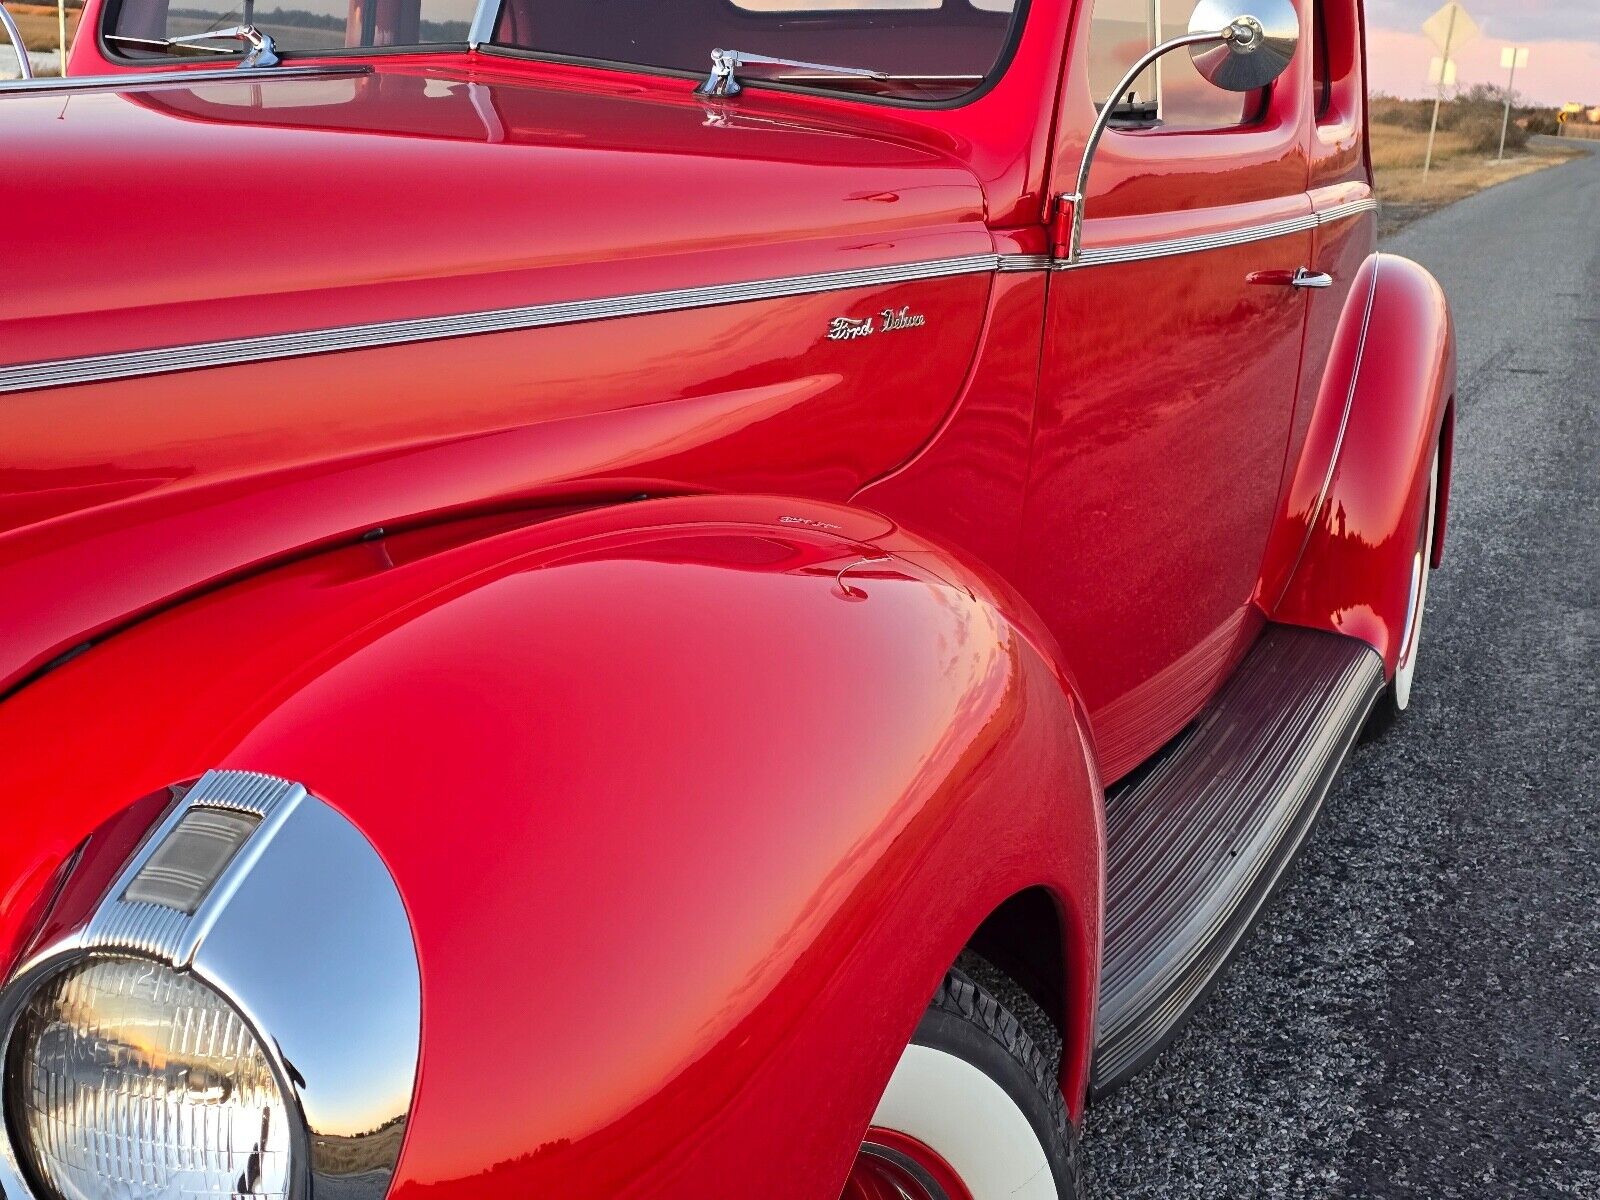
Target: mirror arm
[[24, 64], [1076, 196]]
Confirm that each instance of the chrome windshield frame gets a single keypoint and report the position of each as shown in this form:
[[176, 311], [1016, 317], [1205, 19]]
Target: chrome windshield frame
[[481, 32]]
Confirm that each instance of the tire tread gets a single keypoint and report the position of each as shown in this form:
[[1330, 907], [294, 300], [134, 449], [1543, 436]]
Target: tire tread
[[962, 997]]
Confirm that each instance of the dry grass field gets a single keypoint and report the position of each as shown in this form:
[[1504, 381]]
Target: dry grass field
[[1459, 169], [1463, 155], [38, 24]]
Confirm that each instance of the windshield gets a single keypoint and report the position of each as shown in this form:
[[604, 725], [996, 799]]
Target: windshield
[[902, 49], [137, 27]]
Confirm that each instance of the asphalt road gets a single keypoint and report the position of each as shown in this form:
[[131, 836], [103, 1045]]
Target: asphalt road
[[1419, 1012]]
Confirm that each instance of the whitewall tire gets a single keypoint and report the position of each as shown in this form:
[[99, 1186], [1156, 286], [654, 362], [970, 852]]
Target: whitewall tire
[[972, 1112]]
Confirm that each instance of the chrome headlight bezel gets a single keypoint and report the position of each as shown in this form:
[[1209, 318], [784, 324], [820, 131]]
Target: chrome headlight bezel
[[303, 934]]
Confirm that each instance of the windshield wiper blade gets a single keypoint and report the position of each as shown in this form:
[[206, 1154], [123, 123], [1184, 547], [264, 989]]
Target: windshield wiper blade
[[263, 50], [725, 65]]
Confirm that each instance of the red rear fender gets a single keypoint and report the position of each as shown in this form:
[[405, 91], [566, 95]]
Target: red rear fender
[[1359, 493], [691, 803]]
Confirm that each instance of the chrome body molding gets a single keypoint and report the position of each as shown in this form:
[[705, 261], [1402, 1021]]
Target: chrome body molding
[[1025, 262], [1100, 256], [49, 85], [1349, 208], [305, 934], [67, 372], [64, 372]]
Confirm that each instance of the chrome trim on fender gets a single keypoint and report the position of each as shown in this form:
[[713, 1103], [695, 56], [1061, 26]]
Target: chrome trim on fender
[[134, 80], [66, 372], [96, 368], [304, 933]]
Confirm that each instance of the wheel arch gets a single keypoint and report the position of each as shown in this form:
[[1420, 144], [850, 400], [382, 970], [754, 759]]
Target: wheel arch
[[786, 759]]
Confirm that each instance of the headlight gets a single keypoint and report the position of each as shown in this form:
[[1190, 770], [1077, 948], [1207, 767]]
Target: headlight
[[129, 1079]]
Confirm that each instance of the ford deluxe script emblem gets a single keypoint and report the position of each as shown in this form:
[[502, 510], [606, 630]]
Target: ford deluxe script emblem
[[842, 329]]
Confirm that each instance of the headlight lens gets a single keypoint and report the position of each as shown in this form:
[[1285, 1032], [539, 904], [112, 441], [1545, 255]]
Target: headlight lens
[[130, 1080]]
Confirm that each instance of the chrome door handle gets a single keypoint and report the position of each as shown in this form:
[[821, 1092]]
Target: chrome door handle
[[1307, 278], [1300, 277]]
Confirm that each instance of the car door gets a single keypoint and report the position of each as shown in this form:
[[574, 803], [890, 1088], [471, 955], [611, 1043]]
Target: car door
[[1167, 386]]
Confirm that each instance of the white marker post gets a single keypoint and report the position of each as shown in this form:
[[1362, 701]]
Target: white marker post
[[1513, 57], [1450, 28], [61, 27]]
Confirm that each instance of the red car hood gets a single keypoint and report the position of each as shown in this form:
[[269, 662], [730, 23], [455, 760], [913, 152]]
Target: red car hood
[[169, 216]]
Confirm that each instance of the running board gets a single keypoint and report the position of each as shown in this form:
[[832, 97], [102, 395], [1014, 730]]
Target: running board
[[1195, 846]]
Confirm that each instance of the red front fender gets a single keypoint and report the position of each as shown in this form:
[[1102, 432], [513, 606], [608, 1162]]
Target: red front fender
[[691, 803], [1359, 493]]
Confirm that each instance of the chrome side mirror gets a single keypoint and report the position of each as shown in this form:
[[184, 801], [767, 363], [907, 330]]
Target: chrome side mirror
[[1239, 45], [1264, 42]]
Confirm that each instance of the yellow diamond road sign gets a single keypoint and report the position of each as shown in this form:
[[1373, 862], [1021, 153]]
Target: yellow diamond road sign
[[1450, 28]]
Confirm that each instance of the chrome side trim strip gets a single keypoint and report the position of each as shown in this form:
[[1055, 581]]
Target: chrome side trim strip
[[1137, 251], [1349, 208], [200, 355], [1167, 247], [1025, 262], [134, 80], [96, 368]]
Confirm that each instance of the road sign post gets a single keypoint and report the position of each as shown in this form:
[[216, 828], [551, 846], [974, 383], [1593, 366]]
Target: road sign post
[[1450, 28], [1513, 57]]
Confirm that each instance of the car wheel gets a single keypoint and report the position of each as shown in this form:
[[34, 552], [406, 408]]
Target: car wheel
[[972, 1112], [1397, 697]]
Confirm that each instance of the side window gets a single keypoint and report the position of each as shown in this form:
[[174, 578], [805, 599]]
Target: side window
[[1170, 93]]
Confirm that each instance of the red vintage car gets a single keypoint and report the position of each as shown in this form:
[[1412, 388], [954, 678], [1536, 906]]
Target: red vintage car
[[566, 565]]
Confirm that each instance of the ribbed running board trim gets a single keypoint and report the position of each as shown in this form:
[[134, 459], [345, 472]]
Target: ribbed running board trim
[[1195, 846]]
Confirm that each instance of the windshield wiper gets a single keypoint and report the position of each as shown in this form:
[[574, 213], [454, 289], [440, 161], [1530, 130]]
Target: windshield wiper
[[263, 50], [725, 66]]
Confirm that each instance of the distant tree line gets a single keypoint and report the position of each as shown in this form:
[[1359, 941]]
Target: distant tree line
[[1474, 113]]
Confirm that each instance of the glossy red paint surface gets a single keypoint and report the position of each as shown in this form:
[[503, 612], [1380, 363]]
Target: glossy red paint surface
[[660, 869], [1353, 574], [689, 825]]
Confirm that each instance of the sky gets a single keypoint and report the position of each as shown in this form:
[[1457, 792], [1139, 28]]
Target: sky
[[1562, 38]]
